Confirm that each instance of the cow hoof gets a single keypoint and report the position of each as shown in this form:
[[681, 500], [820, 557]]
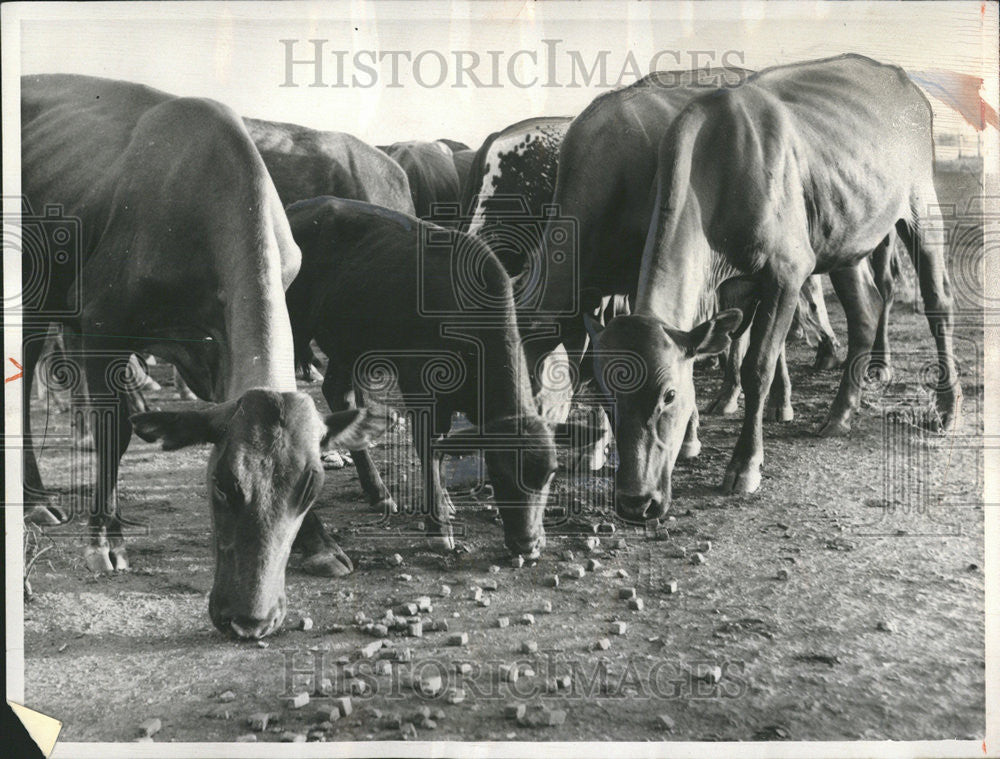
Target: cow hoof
[[442, 537], [782, 413], [949, 408], [690, 450], [878, 373], [119, 558], [327, 564], [186, 395], [826, 363], [442, 542], [385, 506], [332, 460], [98, 560], [835, 428], [724, 405], [747, 481]]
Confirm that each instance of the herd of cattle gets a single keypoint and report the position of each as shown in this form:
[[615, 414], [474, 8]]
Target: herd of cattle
[[684, 216]]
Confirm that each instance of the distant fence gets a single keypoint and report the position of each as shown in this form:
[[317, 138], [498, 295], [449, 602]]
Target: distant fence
[[954, 147]]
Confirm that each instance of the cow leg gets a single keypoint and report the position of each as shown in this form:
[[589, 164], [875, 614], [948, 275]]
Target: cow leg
[[593, 457], [112, 431], [181, 388], [727, 401], [80, 429], [321, 554], [437, 502], [771, 323], [337, 391], [33, 345], [144, 381], [826, 351], [924, 241], [826, 354], [371, 480], [691, 446], [734, 293], [780, 397], [862, 318], [881, 260]]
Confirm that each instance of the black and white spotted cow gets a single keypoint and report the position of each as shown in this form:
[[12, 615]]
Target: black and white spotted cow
[[513, 177]]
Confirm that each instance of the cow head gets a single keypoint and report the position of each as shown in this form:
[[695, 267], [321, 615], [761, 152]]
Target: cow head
[[521, 460], [264, 473], [645, 369]]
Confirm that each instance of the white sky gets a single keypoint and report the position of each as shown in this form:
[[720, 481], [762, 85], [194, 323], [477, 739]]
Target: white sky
[[232, 51]]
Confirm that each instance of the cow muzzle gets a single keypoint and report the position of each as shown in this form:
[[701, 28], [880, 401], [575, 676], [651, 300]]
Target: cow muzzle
[[248, 626], [639, 509], [530, 548]]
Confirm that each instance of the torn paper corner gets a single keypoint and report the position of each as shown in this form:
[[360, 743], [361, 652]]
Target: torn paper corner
[[44, 730]]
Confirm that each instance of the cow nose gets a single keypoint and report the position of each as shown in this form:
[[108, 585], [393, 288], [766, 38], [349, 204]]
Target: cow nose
[[254, 628], [639, 508], [530, 548]]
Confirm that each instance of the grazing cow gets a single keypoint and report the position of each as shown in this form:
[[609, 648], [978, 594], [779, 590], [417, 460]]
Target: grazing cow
[[201, 283], [607, 168], [450, 332], [431, 173], [804, 169], [511, 183]]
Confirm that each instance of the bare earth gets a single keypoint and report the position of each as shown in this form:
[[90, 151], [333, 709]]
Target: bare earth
[[877, 632]]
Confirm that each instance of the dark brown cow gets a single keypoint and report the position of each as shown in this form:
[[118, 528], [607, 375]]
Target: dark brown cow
[[431, 172], [185, 253], [448, 332], [804, 169]]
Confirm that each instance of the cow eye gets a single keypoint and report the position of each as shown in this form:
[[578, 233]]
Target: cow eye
[[668, 397]]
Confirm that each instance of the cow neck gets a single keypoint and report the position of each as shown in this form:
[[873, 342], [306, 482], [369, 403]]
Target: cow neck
[[259, 335], [674, 277], [676, 270], [504, 380]]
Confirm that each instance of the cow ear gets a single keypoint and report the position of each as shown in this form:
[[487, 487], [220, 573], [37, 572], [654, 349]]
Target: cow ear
[[179, 429], [709, 337], [353, 429], [578, 435]]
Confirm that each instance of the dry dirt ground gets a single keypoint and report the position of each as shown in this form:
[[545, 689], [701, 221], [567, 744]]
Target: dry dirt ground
[[877, 632]]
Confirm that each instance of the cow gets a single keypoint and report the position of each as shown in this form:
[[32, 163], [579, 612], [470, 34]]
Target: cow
[[606, 172], [453, 145], [512, 179], [804, 169], [306, 163], [431, 172], [449, 337], [185, 252], [505, 203]]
